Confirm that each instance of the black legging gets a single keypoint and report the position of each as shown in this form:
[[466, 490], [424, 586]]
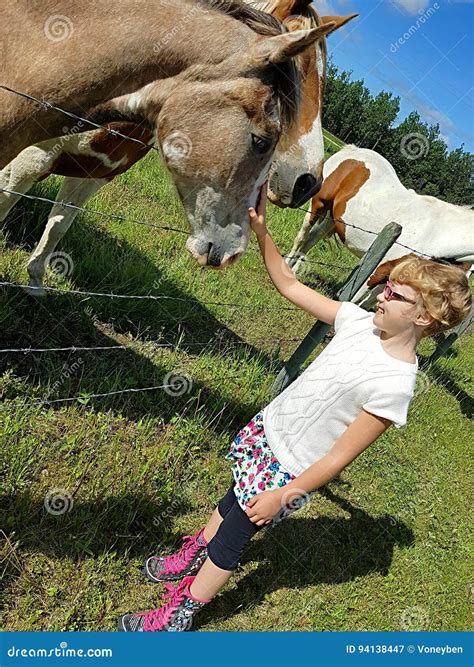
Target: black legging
[[235, 531]]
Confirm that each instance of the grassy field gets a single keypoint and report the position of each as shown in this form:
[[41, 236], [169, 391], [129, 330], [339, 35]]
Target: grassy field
[[384, 547], [332, 143]]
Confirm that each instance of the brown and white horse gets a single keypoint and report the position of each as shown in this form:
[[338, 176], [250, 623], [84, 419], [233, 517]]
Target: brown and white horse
[[361, 191], [91, 159], [218, 111], [297, 169]]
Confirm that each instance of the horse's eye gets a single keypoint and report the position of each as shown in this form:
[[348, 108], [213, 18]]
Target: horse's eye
[[261, 144]]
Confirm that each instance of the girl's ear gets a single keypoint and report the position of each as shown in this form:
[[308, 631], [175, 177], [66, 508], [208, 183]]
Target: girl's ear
[[423, 319]]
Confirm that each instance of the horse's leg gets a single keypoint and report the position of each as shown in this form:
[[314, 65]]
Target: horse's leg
[[367, 298], [317, 225], [30, 166], [74, 191]]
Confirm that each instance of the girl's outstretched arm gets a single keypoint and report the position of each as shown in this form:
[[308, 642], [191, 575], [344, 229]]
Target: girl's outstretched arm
[[282, 276]]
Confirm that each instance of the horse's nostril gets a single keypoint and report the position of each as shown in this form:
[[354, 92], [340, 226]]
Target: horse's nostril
[[306, 186], [214, 256]]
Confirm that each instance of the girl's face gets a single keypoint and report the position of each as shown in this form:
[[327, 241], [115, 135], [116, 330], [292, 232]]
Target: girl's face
[[398, 308]]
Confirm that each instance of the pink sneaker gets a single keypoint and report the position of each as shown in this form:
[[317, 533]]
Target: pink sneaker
[[175, 616], [185, 563]]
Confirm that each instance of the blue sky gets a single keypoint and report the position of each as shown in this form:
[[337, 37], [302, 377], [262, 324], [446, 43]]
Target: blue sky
[[430, 68]]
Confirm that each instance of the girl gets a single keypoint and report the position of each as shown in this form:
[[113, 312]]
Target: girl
[[361, 384]]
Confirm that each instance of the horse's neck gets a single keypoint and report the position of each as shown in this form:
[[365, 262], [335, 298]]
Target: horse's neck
[[166, 36], [163, 38]]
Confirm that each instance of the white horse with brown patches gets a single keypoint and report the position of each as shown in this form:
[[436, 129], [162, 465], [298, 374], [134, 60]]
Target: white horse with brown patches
[[91, 159], [361, 191]]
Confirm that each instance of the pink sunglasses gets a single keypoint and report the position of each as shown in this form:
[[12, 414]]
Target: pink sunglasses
[[390, 295]]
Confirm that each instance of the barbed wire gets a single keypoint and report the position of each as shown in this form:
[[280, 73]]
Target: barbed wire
[[133, 390], [47, 105], [75, 348], [305, 260], [149, 297], [369, 231], [84, 397], [123, 218], [112, 216]]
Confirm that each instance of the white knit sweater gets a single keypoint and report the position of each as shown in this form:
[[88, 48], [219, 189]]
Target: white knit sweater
[[352, 373]]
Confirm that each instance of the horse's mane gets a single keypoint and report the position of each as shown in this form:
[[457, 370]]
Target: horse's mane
[[307, 18], [286, 80], [258, 20]]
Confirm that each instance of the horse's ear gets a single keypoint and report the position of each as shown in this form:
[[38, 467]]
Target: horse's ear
[[274, 50], [338, 21]]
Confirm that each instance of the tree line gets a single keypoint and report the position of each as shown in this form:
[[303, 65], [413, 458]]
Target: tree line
[[415, 148]]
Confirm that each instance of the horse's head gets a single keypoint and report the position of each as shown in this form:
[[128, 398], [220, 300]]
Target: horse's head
[[297, 168], [217, 139], [217, 127]]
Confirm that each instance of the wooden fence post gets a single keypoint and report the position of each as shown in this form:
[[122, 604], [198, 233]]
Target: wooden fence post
[[358, 277], [444, 345]]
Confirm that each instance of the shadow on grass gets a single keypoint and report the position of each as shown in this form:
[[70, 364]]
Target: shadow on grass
[[130, 524], [297, 553], [466, 402], [305, 552], [331, 285], [444, 378], [105, 264]]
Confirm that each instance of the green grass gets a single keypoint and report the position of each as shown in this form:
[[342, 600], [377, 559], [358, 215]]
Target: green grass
[[384, 547], [332, 143]]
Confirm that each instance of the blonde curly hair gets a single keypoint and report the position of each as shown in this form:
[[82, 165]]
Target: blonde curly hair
[[443, 290]]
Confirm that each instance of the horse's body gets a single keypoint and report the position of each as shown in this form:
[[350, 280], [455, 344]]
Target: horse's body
[[228, 77], [93, 158], [362, 190]]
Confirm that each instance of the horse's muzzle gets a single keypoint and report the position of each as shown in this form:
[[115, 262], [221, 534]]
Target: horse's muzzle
[[216, 258]]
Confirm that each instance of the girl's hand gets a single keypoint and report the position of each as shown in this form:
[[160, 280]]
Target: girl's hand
[[258, 218], [264, 506]]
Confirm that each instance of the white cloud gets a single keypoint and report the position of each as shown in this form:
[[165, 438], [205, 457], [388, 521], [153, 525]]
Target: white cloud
[[433, 115], [325, 8], [427, 112], [411, 7]]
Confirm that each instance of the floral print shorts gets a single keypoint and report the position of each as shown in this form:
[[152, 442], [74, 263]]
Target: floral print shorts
[[255, 468]]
